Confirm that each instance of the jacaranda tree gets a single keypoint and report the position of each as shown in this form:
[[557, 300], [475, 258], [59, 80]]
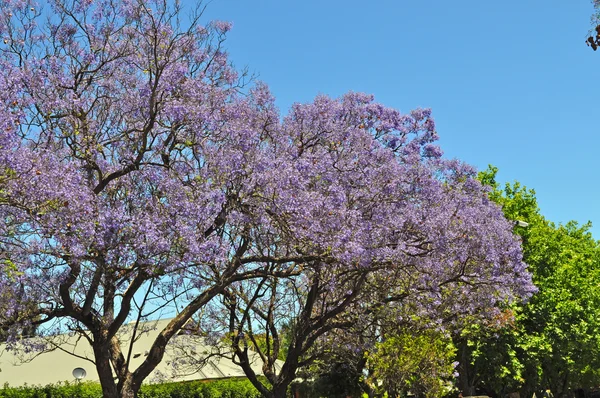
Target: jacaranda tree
[[139, 176], [403, 228]]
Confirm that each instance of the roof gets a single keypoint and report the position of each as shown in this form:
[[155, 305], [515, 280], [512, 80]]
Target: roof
[[72, 351]]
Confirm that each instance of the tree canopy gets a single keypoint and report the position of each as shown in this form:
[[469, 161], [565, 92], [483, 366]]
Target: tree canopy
[[552, 341], [141, 176], [593, 39]]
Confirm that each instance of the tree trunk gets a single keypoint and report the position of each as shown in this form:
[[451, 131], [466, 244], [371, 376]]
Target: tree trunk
[[105, 373], [127, 393], [279, 390], [125, 388], [128, 389], [465, 378]]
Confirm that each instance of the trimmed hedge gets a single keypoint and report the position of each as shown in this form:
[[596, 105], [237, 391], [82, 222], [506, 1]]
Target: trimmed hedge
[[59, 390], [226, 388]]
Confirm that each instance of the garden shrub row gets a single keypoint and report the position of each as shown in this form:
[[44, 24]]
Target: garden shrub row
[[226, 388]]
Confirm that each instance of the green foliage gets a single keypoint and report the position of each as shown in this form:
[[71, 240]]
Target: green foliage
[[332, 380], [560, 326], [420, 363], [226, 388], [5, 175], [59, 390], [554, 339], [261, 343]]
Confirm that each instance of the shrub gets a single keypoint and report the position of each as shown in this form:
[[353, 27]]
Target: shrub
[[226, 388]]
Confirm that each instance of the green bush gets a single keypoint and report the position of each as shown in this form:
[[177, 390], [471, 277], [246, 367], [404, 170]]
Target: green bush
[[226, 388], [59, 390]]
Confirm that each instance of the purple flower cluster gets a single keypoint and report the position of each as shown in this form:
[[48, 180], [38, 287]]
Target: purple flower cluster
[[129, 162]]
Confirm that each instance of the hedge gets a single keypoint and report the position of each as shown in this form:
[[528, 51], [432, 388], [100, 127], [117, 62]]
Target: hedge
[[226, 388]]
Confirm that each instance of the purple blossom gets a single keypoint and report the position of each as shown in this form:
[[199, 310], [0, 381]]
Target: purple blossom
[[134, 165]]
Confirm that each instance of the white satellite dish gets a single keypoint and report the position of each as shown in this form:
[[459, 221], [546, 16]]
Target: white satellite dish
[[79, 373]]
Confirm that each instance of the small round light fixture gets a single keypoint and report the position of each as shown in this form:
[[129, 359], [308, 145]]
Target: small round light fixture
[[79, 373]]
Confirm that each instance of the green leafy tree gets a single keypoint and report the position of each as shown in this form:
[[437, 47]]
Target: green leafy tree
[[420, 363], [552, 341], [561, 324]]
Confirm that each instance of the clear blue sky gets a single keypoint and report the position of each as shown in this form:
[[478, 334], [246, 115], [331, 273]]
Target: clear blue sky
[[510, 82]]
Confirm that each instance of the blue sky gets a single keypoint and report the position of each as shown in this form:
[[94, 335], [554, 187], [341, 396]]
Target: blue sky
[[510, 82]]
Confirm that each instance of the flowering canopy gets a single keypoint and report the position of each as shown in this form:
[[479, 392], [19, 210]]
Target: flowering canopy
[[136, 175]]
